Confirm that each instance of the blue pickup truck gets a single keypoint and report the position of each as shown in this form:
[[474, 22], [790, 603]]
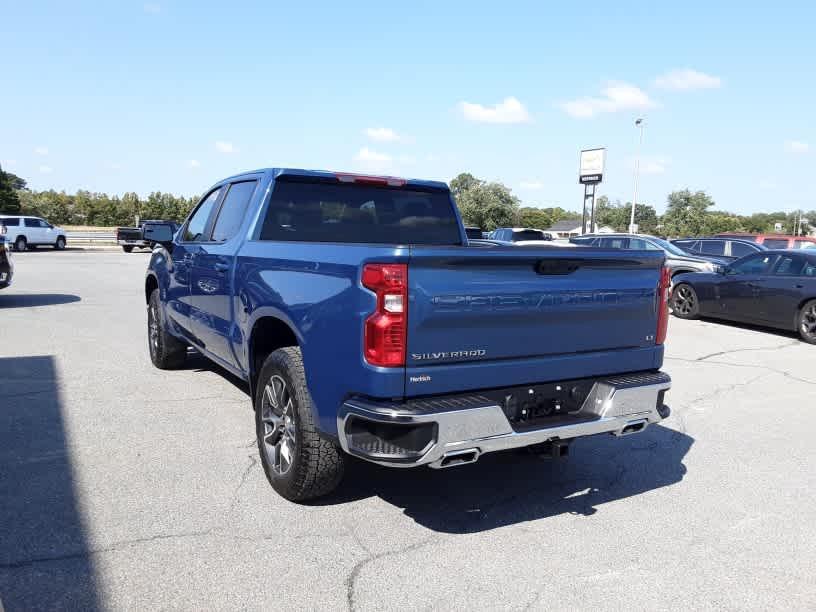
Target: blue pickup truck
[[366, 324]]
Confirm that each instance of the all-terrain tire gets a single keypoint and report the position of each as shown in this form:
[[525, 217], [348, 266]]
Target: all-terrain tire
[[166, 351], [316, 464]]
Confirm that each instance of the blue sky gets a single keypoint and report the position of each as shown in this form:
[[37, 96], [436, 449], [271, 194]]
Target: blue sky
[[173, 95]]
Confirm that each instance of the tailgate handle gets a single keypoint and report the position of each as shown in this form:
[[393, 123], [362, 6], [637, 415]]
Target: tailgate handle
[[557, 266]]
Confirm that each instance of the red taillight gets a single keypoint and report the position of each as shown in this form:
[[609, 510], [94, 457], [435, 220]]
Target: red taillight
[[385, 181], [663, 306], [384, 336]]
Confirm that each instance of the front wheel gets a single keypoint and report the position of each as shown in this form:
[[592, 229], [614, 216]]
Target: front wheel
[[685, 303], [59, 245], [807, 322], [127, 249], [298, 463], [166, 351]]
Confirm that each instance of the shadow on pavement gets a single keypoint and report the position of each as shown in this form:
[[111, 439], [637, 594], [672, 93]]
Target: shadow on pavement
[[44, 554], [772, 331], [515, 487], [196, 362], [23, 300]]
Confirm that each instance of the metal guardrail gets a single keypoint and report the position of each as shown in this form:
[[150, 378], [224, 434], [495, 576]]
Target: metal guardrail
[[91, 236]]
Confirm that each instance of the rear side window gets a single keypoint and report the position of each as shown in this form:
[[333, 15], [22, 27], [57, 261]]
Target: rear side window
[[789, 265], [809, 269], [613, 243], [804, 244], [776, 243], [712, 247], [528, 235], [32, 223], [739, 249], [10, 222], [338, 212], [232, 210], [194, 232]]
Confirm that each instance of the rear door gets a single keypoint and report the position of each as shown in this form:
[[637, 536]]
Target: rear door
[[782, 289], [211, 283], [33, 230], [526, 314]]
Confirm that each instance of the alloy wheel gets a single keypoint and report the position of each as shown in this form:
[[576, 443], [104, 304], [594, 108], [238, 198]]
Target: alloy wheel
[[684, 300], [809, 321], [153, 328], [277, 416]]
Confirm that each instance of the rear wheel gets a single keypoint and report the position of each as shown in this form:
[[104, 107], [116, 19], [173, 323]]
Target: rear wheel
[[684, 302], [298, 463], [20, 244], [127, 249], [806, 323], [60, 243], [166, 351]]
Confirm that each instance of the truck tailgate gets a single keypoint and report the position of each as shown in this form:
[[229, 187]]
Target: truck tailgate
[[534, 314]]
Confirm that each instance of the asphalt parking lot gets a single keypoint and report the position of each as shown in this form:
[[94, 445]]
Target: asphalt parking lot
[[123, 487]]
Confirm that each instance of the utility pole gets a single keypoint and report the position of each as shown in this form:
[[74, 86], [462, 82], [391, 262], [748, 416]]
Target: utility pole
[[639, 124]]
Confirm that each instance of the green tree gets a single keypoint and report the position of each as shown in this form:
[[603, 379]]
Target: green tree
[[534, 217], [9, 201], [485, 205], [686, 213]]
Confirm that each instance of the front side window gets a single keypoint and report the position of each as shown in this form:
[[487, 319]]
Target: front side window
[[613, 243], [194, 232], [309, 211], [232, 210], [756, 264], [32, 223], [712, 247]]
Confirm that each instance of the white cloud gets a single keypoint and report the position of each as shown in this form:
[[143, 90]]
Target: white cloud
[[382, 134], [152, 8], [531, 185], [616, 97], [46, 169], [367, 155], [687, 79], [41, 150], [509, 110], [193, 163], [225, 147], [796, 146]]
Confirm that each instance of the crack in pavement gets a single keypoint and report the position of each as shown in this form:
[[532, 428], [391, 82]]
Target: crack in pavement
[[252, 463], [351, 579], [749, 365], [746, 350]]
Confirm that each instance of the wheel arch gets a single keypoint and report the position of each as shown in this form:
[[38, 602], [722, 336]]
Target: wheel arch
[[151, 284], [799, 310], [269, 333]]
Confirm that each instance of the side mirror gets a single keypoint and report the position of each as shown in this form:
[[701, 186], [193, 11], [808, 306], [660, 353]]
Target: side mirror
[[159, 233]]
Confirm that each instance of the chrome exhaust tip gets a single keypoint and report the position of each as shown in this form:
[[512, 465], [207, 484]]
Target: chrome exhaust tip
[[459, 457], [633, 427]]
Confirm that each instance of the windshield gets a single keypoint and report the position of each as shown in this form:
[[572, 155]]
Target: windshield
[[669, 247]]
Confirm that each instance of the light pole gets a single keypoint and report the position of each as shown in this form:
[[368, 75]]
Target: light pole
[[639, 124]]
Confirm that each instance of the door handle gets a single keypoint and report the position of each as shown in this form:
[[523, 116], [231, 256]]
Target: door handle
[[221, 266], [799, 286], [188, 257]]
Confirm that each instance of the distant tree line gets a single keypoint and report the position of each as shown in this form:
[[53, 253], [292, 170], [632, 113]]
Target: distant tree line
[[487, 205], [492, 205], [89, 208]]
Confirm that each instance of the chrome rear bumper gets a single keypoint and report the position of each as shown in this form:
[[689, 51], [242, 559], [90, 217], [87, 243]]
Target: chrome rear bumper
[[471, 425]]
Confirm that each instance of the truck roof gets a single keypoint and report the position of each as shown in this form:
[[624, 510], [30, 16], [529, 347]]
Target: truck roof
[[276, 172]]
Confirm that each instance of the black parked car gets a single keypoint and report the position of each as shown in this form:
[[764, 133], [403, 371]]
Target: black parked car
[[6, 265], [729, 249], [772, 288]]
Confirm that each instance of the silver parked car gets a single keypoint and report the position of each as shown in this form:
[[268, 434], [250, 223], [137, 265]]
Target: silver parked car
[[677, 259]]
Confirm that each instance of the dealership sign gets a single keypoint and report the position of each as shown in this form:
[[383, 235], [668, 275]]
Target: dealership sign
[[591, 167]]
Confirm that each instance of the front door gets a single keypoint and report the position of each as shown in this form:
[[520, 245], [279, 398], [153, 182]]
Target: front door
[[739, 293], [212, 314], [187, 244], [781, 291]]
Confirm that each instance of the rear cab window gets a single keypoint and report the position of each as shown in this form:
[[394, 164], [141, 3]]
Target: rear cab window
[[320, 211], [528, 234], [776, 243]]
